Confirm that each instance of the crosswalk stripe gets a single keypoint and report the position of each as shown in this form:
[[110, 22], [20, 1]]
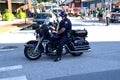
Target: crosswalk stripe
[[16, 78], [10, 68]]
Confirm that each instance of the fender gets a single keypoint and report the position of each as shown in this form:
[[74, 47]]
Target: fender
[[30, 44]]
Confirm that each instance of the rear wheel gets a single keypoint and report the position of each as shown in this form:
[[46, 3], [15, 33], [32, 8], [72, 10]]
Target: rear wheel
[[76, 54], [29, 53]]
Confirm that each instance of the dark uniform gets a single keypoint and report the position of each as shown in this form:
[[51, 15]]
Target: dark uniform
[[66, 23], [63, 37]]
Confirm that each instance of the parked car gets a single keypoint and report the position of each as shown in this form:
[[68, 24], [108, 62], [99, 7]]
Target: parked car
[[57, 11], [50, 6], [40, 18], [115, 15]]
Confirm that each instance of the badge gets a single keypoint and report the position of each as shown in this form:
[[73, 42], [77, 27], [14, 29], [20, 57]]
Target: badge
[[66, 22]]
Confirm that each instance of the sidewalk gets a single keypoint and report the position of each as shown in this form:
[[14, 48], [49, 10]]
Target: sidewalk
[[8, 25]]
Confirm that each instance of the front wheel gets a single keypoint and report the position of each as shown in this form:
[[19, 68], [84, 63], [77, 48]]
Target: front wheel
[[76, 54], [29, 53]]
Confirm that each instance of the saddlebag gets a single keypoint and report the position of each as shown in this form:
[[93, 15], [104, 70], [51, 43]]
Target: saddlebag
[[80, 42], [80, 33]]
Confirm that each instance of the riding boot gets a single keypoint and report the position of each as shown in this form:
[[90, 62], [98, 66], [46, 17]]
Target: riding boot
[[58, 57]]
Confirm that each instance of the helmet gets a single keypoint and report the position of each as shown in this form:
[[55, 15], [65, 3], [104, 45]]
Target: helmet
[[63, 14]]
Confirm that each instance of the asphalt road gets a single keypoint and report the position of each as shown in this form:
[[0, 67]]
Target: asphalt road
[[102, 63]]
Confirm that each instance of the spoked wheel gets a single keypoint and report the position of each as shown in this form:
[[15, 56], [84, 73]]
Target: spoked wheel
[[76, 54], [29, 53]]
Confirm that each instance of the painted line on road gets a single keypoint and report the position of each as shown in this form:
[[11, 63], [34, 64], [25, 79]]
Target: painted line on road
[[16, 78], [10, 68], [6, 49]]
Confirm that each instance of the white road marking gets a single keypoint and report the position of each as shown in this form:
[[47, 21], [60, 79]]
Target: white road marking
[[10, 68], [6, 49], [16, 78]]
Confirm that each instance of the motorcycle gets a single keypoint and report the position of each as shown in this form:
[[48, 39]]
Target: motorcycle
[[76, 45]]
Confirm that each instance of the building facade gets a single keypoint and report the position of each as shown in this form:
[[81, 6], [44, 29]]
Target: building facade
[[100, 3], [14, 5], [86, 3], [72, 3], [75, 3]]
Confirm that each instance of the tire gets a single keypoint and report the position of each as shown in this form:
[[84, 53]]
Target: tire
[[76, 54], [28, 52]]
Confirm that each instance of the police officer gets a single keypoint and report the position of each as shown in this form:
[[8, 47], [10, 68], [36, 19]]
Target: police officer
[[64, 31]]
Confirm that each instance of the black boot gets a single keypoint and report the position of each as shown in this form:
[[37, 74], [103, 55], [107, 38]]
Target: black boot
[[59, 51], [57, 59]]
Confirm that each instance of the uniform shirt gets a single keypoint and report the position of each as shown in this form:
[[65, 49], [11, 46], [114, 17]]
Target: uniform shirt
[[66, 23]]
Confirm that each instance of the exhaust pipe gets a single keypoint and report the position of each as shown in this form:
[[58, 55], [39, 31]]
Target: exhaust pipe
[[78, 51]]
